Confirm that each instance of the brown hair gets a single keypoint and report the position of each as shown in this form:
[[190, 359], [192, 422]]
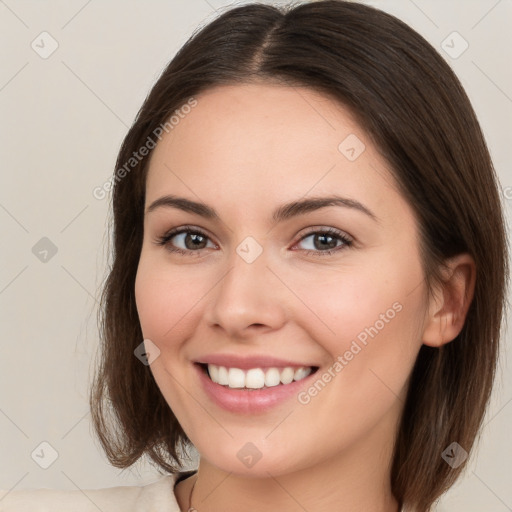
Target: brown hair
[[417, 114]]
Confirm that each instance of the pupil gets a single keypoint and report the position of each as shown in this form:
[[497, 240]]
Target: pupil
[[324, 237], [195, 237]]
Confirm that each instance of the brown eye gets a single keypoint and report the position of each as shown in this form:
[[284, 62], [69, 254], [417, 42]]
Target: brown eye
[[325, 242], [184, 240]]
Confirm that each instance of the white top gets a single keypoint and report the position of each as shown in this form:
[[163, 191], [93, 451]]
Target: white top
[[157, 496]]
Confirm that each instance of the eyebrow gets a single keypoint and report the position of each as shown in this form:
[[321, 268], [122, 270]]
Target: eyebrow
[[283, 212]]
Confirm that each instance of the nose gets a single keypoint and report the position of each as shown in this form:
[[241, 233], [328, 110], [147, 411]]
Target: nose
[[248, 299]]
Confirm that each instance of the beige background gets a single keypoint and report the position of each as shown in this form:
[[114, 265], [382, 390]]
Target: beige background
[[63, 119]]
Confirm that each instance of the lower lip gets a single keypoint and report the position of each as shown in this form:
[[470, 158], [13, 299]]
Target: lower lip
[[250, 401]]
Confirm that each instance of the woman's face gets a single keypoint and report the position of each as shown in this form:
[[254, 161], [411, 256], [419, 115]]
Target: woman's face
[[263, 280]]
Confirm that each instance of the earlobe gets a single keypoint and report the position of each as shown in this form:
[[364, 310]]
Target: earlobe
[[448, 307]]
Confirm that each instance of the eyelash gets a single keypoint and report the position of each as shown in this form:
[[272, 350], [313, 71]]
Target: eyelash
[[164, 240]]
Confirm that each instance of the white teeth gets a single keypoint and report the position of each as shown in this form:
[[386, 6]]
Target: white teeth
[[272, 377], [214, 372], [222, 375], [301, 373], [256, 378], [236, 378], [287, 375]]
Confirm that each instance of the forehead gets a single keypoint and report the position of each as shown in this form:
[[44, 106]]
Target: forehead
[[270, 120], [254, 140]]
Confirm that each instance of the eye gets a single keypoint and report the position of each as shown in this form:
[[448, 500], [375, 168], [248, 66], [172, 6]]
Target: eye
[[193, 240], [324, 242]]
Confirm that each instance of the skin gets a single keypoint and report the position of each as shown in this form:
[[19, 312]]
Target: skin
[[245, 150]]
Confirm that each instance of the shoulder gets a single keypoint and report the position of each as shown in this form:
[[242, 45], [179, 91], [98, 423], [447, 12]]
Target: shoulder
[[157, 495]]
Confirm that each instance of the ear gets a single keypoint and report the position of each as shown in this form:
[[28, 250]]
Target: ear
[[450, 302]]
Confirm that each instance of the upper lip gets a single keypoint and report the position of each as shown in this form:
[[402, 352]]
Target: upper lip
[[248, 362]]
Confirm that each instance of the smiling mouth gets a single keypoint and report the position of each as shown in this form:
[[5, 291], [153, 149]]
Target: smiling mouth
[[255, 378]]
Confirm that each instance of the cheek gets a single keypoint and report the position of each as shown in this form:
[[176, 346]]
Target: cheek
[[165, 307], [371, 318], [340, 305], [164, 300]]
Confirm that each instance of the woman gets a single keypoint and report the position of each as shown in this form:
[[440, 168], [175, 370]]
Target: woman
[[308, 274]]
